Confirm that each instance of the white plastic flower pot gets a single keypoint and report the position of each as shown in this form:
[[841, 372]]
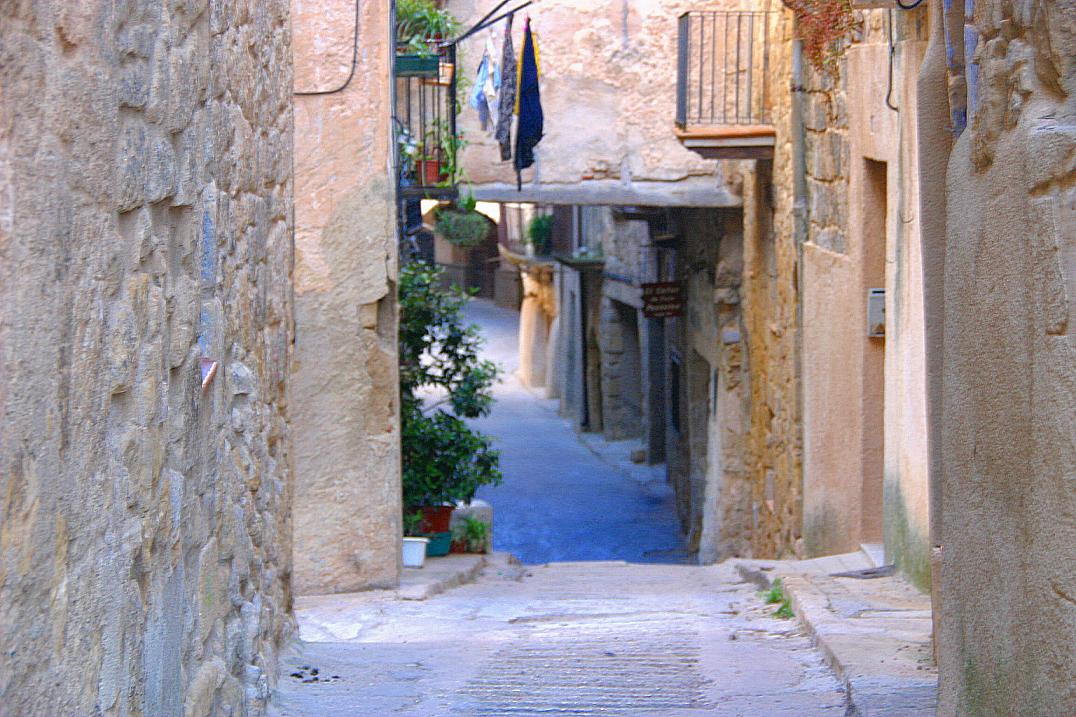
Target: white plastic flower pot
[[414, 552]]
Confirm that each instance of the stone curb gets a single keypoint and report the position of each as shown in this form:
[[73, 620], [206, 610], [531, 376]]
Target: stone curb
[[871, 691], [426, 585]]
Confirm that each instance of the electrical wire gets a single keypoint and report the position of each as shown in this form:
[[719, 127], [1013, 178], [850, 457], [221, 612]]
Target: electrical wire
[[354, 62], [892, 53], [903, 5], [486, 22]]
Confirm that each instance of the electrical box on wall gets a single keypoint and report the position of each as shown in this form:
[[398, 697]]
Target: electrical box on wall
[[876, 313]]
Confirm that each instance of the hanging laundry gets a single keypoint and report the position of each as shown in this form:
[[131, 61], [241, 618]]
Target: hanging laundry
[[507, 99], [478, 93], [492, 85], [529, 107]]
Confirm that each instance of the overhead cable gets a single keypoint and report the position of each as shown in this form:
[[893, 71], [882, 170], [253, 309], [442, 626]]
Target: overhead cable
[[354, 62]]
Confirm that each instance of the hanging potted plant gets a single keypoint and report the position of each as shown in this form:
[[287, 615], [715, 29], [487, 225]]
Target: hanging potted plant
[[462, 225], [445, 461]]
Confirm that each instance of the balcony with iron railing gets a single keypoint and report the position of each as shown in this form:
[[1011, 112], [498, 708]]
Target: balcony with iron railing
[[724, 90], [427, 141]]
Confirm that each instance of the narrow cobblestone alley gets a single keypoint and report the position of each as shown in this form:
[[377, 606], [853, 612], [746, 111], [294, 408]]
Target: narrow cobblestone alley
[[566, 496], [595, 638], [559, 635]]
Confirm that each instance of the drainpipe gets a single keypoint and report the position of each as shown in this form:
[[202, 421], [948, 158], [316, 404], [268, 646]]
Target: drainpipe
[[799, 146], [800, 217], [937, 120]]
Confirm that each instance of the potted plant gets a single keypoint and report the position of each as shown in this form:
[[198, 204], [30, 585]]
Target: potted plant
[[421, 29], [470, 536], [540, 234], [444, 460], [430, 172], [451, 145], [414, 545], [407, 149], [461, 224]]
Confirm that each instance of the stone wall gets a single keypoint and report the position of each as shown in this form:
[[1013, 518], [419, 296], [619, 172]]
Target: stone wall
[[837, 438], [621, 328], [1008, 457], [770, 295], [717, 334], [713, 493], [145, 160], [609, 98], [347, 455]]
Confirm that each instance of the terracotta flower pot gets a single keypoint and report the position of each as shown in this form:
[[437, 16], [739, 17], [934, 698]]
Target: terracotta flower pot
[[437, 518], [429, 172]]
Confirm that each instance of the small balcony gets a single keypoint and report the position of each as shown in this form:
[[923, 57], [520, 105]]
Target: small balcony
[[427, 141], [723, 90]]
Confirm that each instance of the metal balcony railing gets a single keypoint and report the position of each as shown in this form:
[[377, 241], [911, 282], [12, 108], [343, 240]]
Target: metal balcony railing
[[723, 69], [425, 124]]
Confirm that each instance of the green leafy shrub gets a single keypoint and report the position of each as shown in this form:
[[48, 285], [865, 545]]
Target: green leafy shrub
[[472, 533], [412, 522], [444, 460], [540, 233]]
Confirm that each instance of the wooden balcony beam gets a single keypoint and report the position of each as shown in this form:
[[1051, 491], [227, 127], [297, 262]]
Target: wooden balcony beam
[[729, 141]]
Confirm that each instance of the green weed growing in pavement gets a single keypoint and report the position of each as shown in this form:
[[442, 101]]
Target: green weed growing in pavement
[[777, 595]]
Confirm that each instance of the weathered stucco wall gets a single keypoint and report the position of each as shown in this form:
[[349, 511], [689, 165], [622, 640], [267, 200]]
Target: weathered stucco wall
[[1009, 373], [609, 98], [145, 153], [347, 457], [865, 443], [906, 500]]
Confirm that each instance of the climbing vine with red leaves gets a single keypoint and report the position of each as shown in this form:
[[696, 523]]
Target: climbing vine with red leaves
[[821, 25]]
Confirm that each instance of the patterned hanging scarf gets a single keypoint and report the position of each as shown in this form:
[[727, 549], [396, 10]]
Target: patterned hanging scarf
[[508, 93]]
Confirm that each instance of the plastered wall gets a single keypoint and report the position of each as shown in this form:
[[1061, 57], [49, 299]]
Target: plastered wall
[[865, 454], [609, 99], [145, 224], [346, 417]]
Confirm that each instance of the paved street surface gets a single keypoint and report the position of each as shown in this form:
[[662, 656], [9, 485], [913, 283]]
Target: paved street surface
[[566, 496], [566, 639]]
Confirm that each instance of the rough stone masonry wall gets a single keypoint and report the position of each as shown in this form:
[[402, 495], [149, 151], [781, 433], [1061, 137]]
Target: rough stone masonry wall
[[1009, 372], [145, 153], [621, 340], [774, 452]]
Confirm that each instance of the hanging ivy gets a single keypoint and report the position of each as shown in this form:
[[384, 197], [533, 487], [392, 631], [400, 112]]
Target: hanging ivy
[[822, 25]]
